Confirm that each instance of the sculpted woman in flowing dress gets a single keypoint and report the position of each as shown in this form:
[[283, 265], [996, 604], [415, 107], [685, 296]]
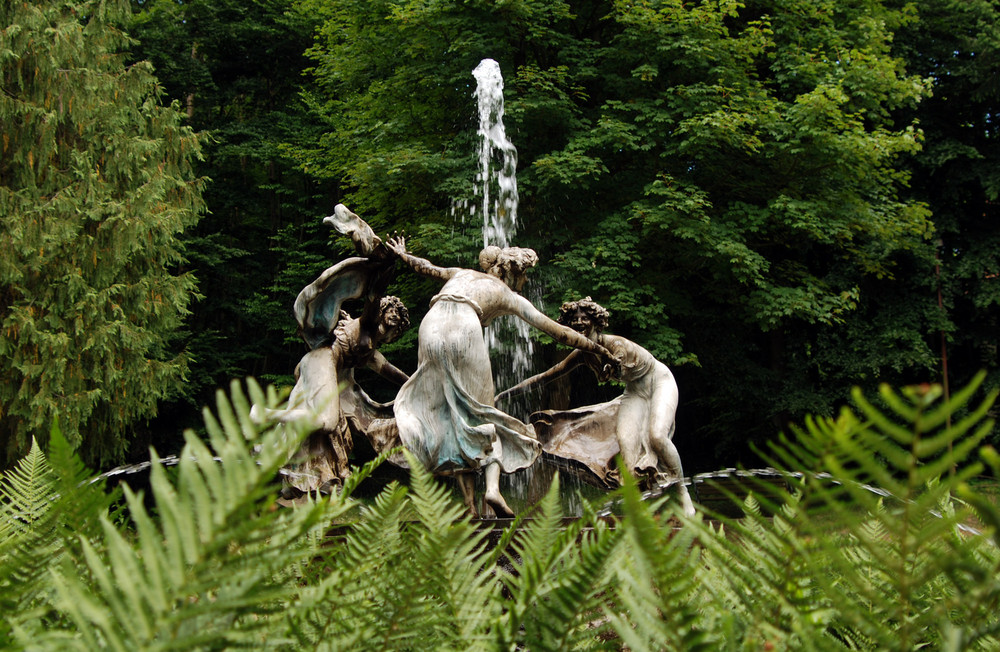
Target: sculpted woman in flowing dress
[[445, 411], [325, 397], [644, 424]]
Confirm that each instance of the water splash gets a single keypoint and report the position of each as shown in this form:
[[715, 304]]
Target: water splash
[[574, 491], [497, 177], [508, 338]]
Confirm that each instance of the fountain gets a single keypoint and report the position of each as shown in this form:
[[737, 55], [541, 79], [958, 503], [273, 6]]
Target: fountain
[[508, 338], [445, 414], [338, 343], [497, 177], [509, 342]]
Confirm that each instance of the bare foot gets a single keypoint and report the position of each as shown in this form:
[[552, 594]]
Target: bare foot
[[499, 505], [686, 503]]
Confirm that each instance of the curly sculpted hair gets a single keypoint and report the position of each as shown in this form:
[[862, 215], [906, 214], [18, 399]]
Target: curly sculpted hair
[[598, 314]]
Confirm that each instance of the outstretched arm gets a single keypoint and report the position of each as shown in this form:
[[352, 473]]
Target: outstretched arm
[[397, 244], [368, 321], [386, 369], [568, 363], [529, 313]]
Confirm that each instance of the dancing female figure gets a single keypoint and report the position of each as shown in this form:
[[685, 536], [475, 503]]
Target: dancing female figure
[[332, 405], [644, 425], [445, 411]]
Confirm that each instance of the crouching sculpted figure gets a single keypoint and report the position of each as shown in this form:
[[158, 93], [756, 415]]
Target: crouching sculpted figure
[[326, 397], [334, 407], [445, 412], [640, 421]]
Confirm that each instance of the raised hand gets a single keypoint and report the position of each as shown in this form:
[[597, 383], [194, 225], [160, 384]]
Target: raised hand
[[397, 244]]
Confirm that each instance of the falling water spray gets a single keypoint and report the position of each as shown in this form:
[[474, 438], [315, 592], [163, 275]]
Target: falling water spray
[[497, 177], [509, 338]]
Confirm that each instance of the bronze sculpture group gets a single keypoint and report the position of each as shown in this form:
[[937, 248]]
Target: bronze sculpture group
[[446, 412]]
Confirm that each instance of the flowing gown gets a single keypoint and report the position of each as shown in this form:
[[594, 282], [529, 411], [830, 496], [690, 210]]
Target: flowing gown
[[327, 392], [445, 412]]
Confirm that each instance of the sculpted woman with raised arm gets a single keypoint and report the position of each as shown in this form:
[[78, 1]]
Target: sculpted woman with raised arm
[[445, 411], [327, 398]]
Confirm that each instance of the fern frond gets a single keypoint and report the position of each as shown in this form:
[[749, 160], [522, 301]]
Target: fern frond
[[863, 547], [213, 568], [28, 534], [47, 502], [763, 570], [559, 571], [354, 577], [409, 573], [887, 554], [362, 473], [654, 576], [447, 540], [81, 499], [26, 491]]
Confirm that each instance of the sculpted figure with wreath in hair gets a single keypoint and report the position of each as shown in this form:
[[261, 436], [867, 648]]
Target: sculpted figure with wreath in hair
[[638, 425]]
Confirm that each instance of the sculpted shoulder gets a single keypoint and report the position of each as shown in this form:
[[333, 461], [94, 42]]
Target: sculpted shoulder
[[482, 287]]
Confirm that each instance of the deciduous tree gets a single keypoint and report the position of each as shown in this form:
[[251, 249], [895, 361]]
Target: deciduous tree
[[724, 176], [955, 44]]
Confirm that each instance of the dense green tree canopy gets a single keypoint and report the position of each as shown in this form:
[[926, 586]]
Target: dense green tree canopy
[[96, 184], [235, 67], [956, 46], [724, 176]]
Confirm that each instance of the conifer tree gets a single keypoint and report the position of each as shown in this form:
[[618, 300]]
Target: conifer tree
[[96, 184]]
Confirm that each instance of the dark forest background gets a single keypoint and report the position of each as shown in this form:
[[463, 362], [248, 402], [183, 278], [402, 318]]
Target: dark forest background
[[780, 200]]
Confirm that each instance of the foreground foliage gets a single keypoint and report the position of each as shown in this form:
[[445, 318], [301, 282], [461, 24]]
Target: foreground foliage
[[865, 548]]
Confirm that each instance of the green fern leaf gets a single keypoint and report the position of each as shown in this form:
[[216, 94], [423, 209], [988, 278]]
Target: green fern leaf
[[889, 557], [559, 572], [409, 573], [212, 569], [654, 576], [28, 536]]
